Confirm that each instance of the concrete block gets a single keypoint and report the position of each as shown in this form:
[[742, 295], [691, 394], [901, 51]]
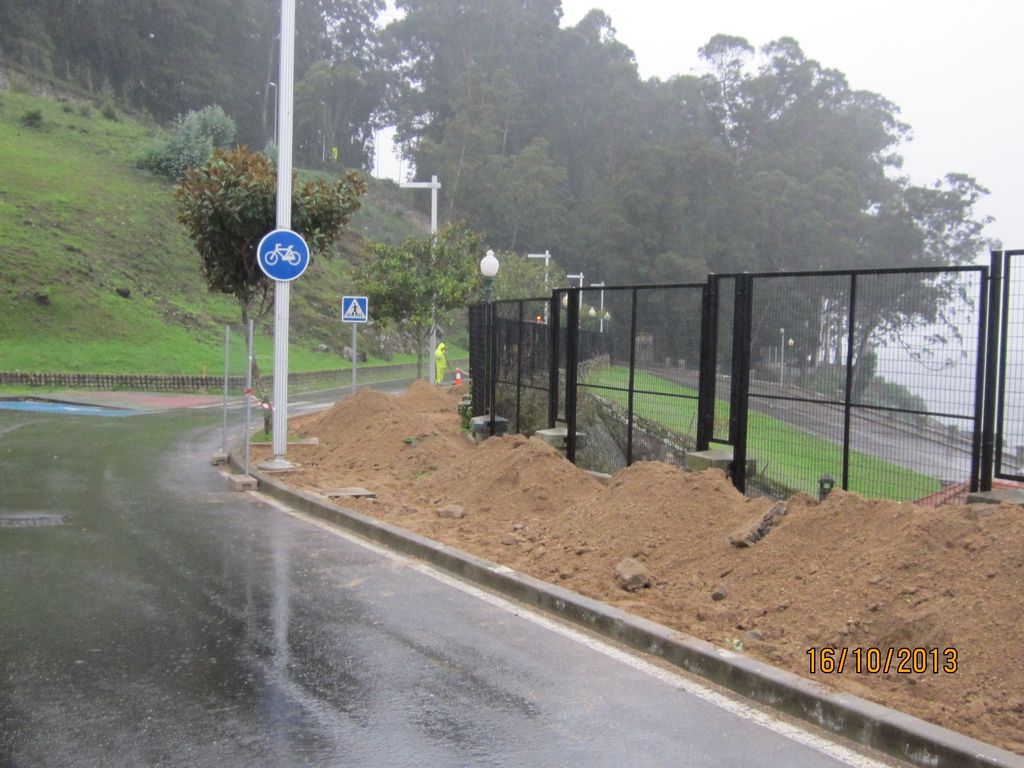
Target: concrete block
[[481, 425], [242, 482], [1011, 495], [715, 458], [220, 457], [555, 437]]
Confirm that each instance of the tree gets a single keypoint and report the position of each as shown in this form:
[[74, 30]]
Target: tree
[[419, 279], [229, 204], [522, 278]]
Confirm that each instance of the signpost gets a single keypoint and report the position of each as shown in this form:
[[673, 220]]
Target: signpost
[[354, 310], [282, 257]]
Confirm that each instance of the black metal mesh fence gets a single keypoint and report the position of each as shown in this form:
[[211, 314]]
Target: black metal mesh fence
[[523, 364], [870, 378], [1010, 420], [638, 374]]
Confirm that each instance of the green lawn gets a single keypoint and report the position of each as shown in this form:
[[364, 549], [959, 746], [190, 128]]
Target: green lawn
[[784, 454], [99, 276]]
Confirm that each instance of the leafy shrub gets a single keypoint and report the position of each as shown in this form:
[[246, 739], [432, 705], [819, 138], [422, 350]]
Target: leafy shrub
[[191, 144], [109, 112], [32, 119], [85, 110], [173, 157], [210, 121]]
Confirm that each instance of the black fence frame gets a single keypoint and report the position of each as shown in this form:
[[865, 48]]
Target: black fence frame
[[563, 356], [1002, 270]]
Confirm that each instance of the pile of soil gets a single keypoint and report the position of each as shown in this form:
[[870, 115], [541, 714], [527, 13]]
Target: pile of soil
[[847, 572]]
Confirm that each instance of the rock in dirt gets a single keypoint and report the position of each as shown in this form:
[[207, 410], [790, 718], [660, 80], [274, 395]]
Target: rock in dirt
[[632, 575], [453, 511], [719, 593], [750, 534]]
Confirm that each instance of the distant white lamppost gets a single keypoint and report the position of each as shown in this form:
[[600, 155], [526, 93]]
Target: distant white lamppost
[[433, 185], [274, 86], [601, 286], [580, 278], [783, 343], [547, 259]]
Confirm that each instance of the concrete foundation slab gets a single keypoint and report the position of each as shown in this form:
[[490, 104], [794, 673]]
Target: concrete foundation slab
[[352, 492]]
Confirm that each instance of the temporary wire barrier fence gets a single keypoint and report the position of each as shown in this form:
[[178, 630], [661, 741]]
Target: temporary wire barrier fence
[[869, 380]]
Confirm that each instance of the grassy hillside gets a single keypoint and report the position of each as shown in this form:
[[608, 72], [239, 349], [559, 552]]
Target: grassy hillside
[[98, 276]]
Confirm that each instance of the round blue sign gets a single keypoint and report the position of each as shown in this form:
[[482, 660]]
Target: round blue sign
[[282, 255]]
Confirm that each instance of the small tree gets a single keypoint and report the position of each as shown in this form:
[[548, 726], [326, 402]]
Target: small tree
[[411, 282], [229, 204]]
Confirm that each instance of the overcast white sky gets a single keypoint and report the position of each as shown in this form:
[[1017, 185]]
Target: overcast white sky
[[955, 69]]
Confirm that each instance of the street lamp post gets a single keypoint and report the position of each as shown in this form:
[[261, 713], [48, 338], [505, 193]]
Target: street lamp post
[[274, 86], [580, 278], [601, 286], [547, 259], [489, 268], [783, 343], [433, 185]]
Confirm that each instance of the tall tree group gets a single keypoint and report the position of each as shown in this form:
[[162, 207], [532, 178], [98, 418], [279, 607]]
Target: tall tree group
[[545, 137]]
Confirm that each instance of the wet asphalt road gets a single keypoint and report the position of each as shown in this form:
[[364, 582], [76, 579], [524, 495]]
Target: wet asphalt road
[[171, 622]]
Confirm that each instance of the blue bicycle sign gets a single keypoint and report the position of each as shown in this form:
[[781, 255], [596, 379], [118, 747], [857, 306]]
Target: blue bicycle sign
[[282, 255]]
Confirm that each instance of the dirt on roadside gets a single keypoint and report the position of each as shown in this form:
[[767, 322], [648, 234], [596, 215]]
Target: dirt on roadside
[[846, 573]]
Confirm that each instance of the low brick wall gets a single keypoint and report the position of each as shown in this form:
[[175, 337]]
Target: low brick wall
[[153, 383]]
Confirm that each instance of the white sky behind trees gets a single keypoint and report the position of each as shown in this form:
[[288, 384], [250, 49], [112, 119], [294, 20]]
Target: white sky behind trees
[[955, 70]]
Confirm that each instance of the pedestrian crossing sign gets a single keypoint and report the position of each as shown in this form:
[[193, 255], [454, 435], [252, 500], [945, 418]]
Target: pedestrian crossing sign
[[354, 309]]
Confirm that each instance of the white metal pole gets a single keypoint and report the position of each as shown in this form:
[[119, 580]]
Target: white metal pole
[[601, 286], [224, 425], [355, 357], [547, 258], [248, 392], [433, 185], [782, 354], [282, 289]]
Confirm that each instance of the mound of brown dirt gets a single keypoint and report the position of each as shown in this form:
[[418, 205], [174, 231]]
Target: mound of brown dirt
[[845, 573]]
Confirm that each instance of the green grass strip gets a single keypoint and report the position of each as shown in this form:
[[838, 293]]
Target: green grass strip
[[785, 455]]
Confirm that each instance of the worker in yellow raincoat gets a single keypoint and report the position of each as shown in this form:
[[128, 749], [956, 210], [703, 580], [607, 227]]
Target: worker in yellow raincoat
[[440, 362]]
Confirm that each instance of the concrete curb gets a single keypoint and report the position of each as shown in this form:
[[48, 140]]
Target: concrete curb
[[889, 731]]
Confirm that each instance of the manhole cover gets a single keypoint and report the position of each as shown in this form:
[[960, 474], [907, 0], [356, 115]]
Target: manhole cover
[[31, 520]]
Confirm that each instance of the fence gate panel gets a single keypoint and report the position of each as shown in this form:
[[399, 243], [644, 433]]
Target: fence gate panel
[[868, 380], [1009, 437]]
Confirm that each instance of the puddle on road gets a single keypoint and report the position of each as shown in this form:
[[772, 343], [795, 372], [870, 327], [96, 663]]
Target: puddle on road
[[31, 520], [71, 409]]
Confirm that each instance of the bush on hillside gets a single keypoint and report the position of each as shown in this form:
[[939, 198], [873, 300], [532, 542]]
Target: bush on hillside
[[32, 119], [191, 144]]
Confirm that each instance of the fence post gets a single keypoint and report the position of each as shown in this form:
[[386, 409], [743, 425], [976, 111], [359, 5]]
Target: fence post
[[519, 366], [554, 323], [708, 363], [740, 392], [632, 376], [848, 390], [492, 366], [572, 335], [991, 448]]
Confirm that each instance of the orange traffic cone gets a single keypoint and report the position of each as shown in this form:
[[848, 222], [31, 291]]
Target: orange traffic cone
[[458, 376]]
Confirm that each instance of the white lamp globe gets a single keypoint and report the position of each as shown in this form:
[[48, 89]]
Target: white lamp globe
[[489, 265]]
